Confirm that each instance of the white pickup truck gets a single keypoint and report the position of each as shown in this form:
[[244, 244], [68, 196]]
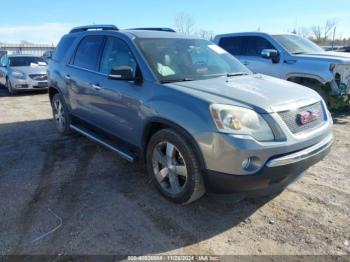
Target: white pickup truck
[[294, 58]]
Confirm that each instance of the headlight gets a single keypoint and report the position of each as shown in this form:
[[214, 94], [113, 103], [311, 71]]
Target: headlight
[[18, 74], [240, 121]]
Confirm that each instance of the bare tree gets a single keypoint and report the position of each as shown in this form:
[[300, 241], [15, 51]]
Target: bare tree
[[317, 33], [329, 27], [304, 32], [205, 34], [184, 23], [321, 34]]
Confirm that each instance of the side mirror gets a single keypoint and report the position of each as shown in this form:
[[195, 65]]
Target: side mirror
[[271, 54], [122, 73]]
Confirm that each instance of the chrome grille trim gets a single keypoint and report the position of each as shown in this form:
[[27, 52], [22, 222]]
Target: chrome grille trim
[[290, 118], [38, 77]]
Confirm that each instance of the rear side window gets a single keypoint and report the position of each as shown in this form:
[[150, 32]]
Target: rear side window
[[62, 48], [233, 45], [87, 54]]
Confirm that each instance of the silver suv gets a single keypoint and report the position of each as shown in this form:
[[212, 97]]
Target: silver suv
[[296, 59], [198, 117]]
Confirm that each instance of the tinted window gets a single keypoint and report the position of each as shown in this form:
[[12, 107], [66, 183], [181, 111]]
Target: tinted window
[[88, 52], [256, 44], [245, 45], [62, 48], [116, 53], [233, 45]]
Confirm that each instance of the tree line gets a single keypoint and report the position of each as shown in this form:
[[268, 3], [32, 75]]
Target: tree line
[[324, 35]]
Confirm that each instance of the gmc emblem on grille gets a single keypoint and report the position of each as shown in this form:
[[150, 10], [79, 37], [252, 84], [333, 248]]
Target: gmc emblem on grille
[[308, 116]]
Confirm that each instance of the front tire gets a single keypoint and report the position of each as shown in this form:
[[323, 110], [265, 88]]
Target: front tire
[[61, 115], [174, 168], [9, 87]]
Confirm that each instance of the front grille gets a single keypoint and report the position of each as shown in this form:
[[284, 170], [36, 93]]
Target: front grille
[[39, 77], [291, 118]]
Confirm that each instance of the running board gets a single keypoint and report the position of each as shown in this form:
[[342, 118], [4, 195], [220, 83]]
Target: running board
[[89, 134]]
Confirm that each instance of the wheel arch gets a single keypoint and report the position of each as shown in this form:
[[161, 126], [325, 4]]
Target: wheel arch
[[52, 92], [156, 124], [300, 76]]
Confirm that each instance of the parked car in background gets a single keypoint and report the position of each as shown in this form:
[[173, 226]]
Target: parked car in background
[[346, 49], [48, 55], [332, 48], [295, 59], [23, 73], [198, 117]]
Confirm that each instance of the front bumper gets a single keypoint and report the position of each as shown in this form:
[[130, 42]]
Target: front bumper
[[28, 84], [277, 173]]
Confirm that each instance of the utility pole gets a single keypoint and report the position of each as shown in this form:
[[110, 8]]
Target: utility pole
[[335, 29]]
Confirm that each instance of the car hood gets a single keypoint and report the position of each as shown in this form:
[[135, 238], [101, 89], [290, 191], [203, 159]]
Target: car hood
[[29, 70], [336, 57], [260, 92]]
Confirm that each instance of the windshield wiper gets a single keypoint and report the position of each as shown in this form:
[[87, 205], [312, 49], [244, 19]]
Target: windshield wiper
[[237, 74], [176, 80]]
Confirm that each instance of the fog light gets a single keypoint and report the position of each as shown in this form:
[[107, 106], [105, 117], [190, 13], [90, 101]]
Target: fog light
[[251, 164]]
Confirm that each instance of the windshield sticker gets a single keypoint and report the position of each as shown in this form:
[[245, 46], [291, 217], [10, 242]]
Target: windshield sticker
[[217, 49]]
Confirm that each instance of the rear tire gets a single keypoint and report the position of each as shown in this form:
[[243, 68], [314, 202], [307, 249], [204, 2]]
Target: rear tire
[[173, 167], [61, 115]]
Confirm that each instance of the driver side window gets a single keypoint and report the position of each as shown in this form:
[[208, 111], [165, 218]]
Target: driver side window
[[116, 54]]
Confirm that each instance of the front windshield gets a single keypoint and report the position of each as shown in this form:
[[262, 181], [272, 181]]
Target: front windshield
[[26, 61], [173, 59], [295, 44]]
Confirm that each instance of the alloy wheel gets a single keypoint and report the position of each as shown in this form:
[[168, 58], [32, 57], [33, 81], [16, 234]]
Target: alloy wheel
[[169, 167], [59, 114]]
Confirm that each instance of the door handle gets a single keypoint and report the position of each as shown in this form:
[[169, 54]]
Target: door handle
[[245, 63], [96, 86], [67, 77]]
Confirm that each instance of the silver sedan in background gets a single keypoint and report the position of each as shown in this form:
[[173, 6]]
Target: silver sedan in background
[[23, 73]]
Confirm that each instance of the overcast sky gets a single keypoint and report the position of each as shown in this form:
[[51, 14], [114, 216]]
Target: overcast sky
[[46, 21]]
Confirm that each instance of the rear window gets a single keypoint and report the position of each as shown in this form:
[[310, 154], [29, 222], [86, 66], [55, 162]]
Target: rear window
[[88, 52], [62, 48]]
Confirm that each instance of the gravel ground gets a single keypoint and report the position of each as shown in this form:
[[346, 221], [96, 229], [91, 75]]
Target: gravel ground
[[67, 195]]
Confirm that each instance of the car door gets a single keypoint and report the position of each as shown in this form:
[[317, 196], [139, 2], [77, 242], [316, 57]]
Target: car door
[[81, 73], [248, 49], [252, 56], [120, 102]]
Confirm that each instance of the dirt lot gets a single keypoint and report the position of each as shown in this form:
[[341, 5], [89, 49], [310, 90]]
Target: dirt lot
[[93, 202]]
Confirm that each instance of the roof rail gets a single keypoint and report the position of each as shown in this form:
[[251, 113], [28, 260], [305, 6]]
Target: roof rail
[[93, 27], [164, 29]]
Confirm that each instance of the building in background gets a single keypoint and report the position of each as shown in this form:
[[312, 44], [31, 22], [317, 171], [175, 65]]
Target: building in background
[[25, 49]]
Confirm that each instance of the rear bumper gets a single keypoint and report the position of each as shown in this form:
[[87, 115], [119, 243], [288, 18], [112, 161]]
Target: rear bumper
[[277, 173]]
